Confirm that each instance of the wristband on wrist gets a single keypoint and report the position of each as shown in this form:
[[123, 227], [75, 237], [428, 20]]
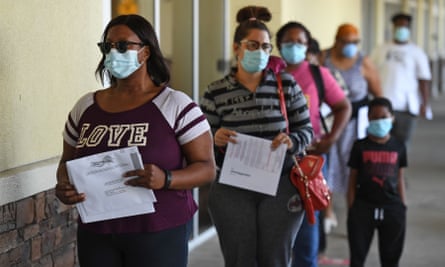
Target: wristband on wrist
[[168, 179]]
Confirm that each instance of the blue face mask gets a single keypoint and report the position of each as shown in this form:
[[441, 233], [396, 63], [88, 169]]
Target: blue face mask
[[293, 53], [380, 128], [402, 34], [254, 61], [122, 65], [349, 50]]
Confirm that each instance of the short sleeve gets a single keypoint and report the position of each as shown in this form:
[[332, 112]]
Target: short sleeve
[[333, 92], [71, 130], [422, 66], [403, 160], [184, 116], [355, 156]]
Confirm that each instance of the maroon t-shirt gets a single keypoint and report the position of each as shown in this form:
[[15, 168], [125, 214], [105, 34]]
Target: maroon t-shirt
[[158, 128]]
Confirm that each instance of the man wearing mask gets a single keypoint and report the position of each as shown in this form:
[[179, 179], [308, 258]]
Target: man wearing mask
[[405, 75]]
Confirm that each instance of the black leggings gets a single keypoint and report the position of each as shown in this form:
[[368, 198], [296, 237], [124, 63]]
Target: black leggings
[[158, 249], [390, 222]]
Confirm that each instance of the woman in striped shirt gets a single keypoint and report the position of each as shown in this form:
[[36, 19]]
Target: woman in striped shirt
[[256, 229]]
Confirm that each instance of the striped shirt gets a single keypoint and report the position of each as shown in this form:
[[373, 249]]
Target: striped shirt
[[228, 104], [158, 128]]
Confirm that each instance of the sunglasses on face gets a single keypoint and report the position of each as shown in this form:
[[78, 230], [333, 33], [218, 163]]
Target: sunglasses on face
[[255, 45], [121, 46], [345, 42]]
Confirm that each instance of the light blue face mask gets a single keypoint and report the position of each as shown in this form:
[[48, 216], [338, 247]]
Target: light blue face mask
[[293, 53], [402, 34], [122, 65], [380, 127], [350, 50], [254, 61]]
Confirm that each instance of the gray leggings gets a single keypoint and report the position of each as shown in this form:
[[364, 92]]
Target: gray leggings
[[256, 230]]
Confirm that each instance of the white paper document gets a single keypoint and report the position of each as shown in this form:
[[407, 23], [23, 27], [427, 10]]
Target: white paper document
[[100, 177], [252, 164]]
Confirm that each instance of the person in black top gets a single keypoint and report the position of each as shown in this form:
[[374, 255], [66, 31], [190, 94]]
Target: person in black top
[[376, 191]]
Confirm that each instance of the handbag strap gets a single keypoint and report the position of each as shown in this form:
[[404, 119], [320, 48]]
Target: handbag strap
[[284, 112], [282, 101], [316, 74], [300, 171]]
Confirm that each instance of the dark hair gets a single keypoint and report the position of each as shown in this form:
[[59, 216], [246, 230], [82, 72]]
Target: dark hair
[[402, 16], [380, 102], [291, 25], [157, 67], [251, 17], [313, 47]]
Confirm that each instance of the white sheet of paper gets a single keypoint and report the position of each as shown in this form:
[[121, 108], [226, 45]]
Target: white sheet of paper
[[362, 122], [251, 164], [99, 176]]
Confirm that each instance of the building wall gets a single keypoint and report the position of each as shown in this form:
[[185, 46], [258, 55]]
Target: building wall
[[48, 57], [321, 17], [38, 231]]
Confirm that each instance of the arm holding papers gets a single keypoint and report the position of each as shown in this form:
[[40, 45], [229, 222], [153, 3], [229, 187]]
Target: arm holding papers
[[224, 136], [105, 192], [100, 177], [97, 187], [152, 177], [200, 167], [65, 191], [253, 164]]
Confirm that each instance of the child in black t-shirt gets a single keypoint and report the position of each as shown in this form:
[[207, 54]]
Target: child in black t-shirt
[[376, 192]]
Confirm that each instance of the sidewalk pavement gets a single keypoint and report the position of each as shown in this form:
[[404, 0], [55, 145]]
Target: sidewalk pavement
[[426, 207]]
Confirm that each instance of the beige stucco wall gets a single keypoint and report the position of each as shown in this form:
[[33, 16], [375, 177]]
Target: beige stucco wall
[[48, 56], [322, 17]]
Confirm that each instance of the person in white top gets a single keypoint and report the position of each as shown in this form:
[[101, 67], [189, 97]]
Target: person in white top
[[405, 76]]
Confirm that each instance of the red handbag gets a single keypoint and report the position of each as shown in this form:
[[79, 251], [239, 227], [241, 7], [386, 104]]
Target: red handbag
[[307, 177], [306, 174]]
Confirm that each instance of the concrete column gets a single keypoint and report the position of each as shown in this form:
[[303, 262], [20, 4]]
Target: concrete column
[[157, 19], [441, 27], [433, 34], [420, 23], [379, 21], [182, 46], [441, 44], [405, 6]]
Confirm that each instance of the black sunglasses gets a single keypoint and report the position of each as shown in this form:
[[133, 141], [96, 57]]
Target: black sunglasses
[[121, 46], [345, 42]]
